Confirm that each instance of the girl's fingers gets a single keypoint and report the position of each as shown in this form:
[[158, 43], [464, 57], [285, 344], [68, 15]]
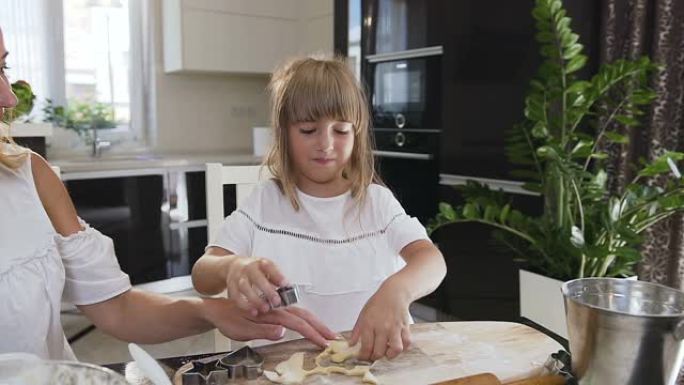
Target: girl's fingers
[[367, 341], [395, 345], [272, 272], [255, 302], [406, 337], [262, 284], [379, 345]]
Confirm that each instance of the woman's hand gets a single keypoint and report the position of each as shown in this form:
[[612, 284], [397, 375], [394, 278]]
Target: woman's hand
[[383, 325], [252, 283], [239, 325]]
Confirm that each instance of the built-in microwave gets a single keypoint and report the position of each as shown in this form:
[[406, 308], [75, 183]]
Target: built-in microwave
[[405, 88]]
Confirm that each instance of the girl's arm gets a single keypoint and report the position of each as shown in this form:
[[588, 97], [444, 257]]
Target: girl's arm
[[145, 317], [245, 278], [210, 271], [424, 271], [383, 325]]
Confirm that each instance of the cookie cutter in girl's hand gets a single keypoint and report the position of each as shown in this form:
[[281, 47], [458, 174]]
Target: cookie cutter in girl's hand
[[221, 369], [288, 296]]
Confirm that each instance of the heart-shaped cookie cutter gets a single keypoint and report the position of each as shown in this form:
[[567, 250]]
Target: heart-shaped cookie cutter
[[243, 363]]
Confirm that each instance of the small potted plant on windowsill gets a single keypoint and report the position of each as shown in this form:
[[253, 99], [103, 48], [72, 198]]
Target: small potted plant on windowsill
[[82, 117], [584, 230]]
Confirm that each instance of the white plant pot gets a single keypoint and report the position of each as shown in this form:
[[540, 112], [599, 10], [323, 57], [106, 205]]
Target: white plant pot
[[541, 301]]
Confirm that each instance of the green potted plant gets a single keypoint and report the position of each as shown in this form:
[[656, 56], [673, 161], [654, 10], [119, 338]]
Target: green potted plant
[[584, 230], [82, 117]]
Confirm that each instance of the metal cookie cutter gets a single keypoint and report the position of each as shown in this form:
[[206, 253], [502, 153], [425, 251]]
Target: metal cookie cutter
[[288, 295], [243, 363], [205, 372], [560, 364]]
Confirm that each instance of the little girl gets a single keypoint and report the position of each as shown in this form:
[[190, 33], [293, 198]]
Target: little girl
[[48, 254], [324, 223]]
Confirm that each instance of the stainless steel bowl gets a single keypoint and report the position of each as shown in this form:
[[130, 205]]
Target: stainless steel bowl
[[39, 372], [624, 332]]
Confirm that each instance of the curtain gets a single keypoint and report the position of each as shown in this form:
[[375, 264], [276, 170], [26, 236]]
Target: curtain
[[630, 29], [31, 31]]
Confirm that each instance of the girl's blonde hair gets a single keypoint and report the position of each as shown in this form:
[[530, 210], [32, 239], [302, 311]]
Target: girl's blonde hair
[[309, 89], [11, 154]]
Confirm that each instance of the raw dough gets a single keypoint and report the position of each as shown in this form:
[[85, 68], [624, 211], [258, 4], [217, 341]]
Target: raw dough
[[292, 371], [341, 351]]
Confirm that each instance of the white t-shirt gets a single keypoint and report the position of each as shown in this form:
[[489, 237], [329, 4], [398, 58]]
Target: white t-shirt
[[39, 268], [335, 252]]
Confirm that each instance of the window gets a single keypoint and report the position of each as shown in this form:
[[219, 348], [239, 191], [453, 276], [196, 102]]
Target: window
[[97, 55], [84, 52]]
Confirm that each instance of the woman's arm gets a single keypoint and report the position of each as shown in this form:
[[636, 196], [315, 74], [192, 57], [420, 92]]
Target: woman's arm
[[153, 318], [55, 198], [146, 317]]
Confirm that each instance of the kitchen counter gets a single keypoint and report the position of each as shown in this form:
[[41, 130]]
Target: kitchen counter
[[115, 165], [30, 130]]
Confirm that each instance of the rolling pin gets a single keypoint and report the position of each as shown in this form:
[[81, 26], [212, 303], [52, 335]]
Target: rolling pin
[[490, 379]]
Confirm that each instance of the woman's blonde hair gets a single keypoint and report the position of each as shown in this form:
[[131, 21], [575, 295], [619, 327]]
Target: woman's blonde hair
[[11, 154], [309, 89]]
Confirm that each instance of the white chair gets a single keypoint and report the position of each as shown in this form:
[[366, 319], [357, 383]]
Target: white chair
[[217, 175], [245, 178]]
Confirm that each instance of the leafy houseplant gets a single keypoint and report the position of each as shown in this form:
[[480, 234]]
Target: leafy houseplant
[[584, 230], [80, 116], [25, 102]]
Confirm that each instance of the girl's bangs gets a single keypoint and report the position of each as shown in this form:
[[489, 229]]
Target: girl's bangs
[[321, 93]]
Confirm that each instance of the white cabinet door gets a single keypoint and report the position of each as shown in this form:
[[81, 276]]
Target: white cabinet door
[[243, 36]]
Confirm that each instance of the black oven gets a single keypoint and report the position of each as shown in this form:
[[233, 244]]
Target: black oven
[[407, 161], [405, 88]]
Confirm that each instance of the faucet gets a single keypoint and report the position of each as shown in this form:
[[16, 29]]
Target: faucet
[[99, 144]]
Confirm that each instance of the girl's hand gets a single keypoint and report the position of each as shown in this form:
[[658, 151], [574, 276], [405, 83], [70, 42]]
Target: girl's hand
[[252, 283], [383, 325]]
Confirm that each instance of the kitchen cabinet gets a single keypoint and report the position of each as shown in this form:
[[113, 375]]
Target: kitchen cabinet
[[243, 36], [32, 135]]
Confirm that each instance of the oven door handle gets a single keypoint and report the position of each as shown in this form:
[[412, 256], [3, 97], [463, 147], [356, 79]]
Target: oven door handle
[[407, 54], [403, 155]]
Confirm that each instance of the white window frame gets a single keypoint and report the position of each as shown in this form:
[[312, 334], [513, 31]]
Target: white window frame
[[126, 139]]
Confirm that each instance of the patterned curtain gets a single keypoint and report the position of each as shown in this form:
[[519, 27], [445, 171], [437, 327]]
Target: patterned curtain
[[630, 29]]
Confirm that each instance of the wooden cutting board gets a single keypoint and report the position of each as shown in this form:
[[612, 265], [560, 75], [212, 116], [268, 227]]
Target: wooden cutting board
[[440, 351]]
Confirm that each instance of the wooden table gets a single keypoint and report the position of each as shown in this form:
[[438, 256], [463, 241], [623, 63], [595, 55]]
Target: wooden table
[[440, 351]]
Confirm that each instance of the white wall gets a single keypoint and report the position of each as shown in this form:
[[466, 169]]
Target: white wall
[[215, 112], [205, 112], [316, 25], [198, 112]]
